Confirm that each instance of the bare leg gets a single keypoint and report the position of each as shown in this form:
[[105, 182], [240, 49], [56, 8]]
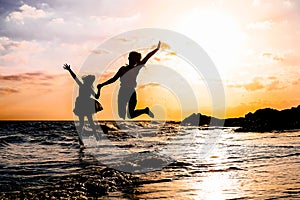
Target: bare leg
[[91, 121], [123, 97], [133, 113], [122, 108], [80, 129]]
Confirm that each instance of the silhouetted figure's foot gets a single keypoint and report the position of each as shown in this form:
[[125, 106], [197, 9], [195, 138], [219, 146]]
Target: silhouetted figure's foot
[[80, 141], [149, 112], [98, 136]]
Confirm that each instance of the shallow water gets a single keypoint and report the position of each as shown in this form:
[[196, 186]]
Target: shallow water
[[193, 163]]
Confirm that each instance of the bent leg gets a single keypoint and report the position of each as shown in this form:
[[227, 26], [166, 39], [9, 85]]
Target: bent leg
[[133, 113]]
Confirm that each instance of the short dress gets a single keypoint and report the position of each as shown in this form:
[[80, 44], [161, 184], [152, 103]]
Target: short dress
[[84, 104]]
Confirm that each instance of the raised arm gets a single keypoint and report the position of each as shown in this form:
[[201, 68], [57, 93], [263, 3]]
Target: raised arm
[[150, 54], [68, 68]]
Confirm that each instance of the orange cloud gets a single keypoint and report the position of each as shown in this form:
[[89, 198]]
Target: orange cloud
[[274, 85], [252, 86], [7, 90], [274, 57], [259, 83], [148, 85], [296, 82], [172, 53], [26, 76]]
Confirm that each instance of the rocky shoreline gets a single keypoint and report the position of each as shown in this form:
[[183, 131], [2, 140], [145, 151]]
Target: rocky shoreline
[[262, 120]]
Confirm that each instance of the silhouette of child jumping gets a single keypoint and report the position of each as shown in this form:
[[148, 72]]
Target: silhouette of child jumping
[[85, 105], [127, 95]]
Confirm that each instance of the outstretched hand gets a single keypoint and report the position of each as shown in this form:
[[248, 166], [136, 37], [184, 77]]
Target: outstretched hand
[[67, 67], [158, 45]]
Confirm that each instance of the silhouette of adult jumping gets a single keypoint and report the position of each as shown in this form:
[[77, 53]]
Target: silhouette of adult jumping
[[127, 97], [85, 105]]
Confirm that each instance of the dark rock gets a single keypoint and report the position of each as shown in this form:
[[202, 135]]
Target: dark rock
[[266, 120], [202, 120], [262, 120]]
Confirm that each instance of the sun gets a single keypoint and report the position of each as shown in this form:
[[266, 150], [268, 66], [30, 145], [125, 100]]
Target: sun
[[218, 33]]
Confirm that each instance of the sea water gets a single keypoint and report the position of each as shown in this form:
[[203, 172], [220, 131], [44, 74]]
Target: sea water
[[44, 158]]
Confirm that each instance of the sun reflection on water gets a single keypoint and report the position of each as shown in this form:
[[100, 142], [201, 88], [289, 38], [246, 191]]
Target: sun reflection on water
[[215, 186]]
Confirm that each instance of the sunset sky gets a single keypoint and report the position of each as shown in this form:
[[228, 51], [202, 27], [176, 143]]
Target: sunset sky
[[254, 45]]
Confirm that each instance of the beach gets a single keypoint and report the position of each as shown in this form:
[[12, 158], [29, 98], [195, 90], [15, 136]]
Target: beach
[[42, 159]]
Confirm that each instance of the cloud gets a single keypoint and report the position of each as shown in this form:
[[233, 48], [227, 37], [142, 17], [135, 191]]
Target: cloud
[[272, 78], [25, 11], [122, 39], [296, 82], [13, 53], [32, 83], [9, 45], [99, 52], [260, 83], [26, 77], [73, 22], [274, 57], [274, 85], [7, 91], [57, 21], [148, 85], [172, 53], [254, 85], [287, 57]]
